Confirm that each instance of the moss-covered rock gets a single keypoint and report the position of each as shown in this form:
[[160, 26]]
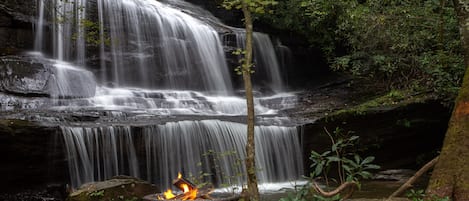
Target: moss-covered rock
[[118, 188]]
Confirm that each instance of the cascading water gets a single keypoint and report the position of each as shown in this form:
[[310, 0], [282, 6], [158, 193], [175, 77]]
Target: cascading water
[[39, 27], [165, 47], [184, 146], [99, 153], [154, 60], [266, 63]]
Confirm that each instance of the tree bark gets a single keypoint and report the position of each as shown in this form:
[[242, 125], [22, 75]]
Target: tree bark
[[252, 191], [450, 177]]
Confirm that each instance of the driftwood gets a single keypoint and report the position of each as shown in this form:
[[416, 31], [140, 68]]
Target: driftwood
[[347, 188], [414, 178]]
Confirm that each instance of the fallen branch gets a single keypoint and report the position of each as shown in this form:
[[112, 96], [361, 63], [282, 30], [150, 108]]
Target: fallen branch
[[342, 188], [414, 178]]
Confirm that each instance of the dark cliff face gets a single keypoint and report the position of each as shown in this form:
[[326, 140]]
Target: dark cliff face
[[31, 156], [402, 137], [16, 26], [232, 18]]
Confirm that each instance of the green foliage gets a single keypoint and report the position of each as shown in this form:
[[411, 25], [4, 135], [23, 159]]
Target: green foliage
[[398, 44], [391, 99], [419, 195], [96, 194], [242, 62], [350, 166], [214, 159], [299, 195], [93, 34], [343, 156], [255, 6]]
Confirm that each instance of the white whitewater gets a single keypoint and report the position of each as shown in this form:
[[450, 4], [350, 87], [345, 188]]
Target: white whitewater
[[96, 154], [38, 42], [170, 102], [163, 48], [185, 146]]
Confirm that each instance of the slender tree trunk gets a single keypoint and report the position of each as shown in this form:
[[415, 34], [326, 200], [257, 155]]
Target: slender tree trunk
[[450, 177], [253, 191]]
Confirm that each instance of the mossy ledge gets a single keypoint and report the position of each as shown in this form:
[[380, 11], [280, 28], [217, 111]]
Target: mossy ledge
[[391, 101]]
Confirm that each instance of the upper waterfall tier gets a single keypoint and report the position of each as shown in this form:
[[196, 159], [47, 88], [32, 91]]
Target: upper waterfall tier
[[147, 44]]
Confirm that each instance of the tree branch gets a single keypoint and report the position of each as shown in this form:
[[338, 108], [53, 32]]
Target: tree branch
[[342, 188], [414, 178]]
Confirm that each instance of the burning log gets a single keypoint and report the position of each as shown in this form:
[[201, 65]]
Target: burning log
[[183, 184], [189, 191]]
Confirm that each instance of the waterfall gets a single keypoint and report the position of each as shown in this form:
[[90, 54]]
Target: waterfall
[[134, 61], [148, 44], [265, 59], [140, 43], [39, 27], [189, 147], [96, 154]]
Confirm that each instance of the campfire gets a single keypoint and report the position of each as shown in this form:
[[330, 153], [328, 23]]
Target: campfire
[[189, 191]]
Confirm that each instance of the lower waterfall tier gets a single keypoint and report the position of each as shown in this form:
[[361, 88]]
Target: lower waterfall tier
[[210, 150]]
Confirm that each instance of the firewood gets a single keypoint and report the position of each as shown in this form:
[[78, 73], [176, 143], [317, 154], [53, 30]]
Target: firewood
[[179, 183]]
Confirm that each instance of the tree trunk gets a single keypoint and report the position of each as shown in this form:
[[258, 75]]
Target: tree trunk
[[252, 191], [450, 177]]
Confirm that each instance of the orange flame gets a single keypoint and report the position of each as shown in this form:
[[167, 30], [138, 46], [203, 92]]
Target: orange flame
[[169, 194], [185, 188], [188, 192], [191, 195]]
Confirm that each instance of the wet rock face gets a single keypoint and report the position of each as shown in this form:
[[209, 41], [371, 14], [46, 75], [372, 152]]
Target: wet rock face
[[16, 24], [21, 8], [31, 156], [232, 18], [32, 77], [20, 76]]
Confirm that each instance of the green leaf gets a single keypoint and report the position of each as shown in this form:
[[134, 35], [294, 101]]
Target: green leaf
[[325, 153], [315, 154], [365, 174], [333, 159], [357, 159], [334, 147], [318, 169], [368, 159], [372, 166], [353, 138]]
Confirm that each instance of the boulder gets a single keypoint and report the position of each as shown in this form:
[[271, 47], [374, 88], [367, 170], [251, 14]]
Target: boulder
[[20, 76], [36, 77], [117, 188]]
